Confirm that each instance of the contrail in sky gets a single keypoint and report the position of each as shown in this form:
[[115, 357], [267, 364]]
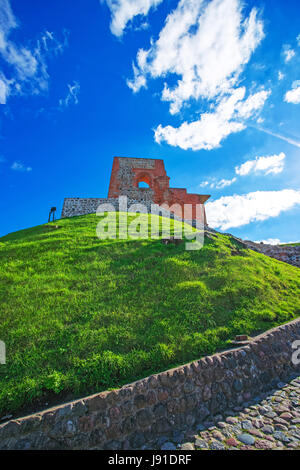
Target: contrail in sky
[[279, 136]]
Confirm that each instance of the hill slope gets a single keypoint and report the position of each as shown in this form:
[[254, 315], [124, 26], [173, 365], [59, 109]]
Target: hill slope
[[79, 315]]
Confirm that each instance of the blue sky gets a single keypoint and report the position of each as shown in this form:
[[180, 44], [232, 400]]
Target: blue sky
[[212, 87]]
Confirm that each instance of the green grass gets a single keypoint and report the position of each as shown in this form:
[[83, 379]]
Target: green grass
[[289, 244], [80, 315]]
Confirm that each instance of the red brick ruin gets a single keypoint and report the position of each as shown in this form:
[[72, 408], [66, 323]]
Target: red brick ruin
[[128, 173]]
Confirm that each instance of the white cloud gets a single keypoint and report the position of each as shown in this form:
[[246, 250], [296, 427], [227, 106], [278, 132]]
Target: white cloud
[[238, 210], [72, 96], [123, 12], [288, 53], [26, 66], [7, 20], [245, 109], [280, 75], [298, 40], [217, 184], [203, 184], [272, 164], [4, 89], [293, 95], [17, 166], [223, 183], [138, 82], [198, 38], [51, 44], [208, 132]]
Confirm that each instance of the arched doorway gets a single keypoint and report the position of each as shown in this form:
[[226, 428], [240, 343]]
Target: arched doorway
[[143, 181], [143, 184]]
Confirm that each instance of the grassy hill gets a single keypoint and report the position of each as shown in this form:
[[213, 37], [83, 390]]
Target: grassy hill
[[289, 244], [79, 315]]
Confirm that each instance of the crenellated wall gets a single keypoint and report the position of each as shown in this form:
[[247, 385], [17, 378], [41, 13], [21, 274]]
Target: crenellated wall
[[159, 404]]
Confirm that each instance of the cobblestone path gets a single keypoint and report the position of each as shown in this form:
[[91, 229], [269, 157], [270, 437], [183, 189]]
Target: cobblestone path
[[270, 421]]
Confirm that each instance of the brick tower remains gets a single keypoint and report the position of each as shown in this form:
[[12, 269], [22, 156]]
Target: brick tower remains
[[127, 173]]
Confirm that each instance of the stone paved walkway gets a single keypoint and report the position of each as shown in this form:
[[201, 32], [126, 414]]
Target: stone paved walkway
[[270, 421]]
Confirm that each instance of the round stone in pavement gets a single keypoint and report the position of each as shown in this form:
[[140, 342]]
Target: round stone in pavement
[[232, 420], [271, 414], [168, 446], [281, 384], [255, 432], [246, 439], [281, 436], [231, 442], [281, 427], [293, 445], [247, 424], [223, 425], [217, 435], [267, 429], [264, 409], [187, 446], [237, 429], [286, 416], [296, 421]]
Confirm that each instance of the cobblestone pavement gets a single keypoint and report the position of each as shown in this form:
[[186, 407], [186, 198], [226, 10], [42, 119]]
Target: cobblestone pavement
[[270, 422]]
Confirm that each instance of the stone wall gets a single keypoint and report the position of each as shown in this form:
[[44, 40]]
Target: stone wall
[[74, 206], [161, 403]]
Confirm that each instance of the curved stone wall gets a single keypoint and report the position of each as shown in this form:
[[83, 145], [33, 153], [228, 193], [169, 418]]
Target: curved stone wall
[[127, 417]]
